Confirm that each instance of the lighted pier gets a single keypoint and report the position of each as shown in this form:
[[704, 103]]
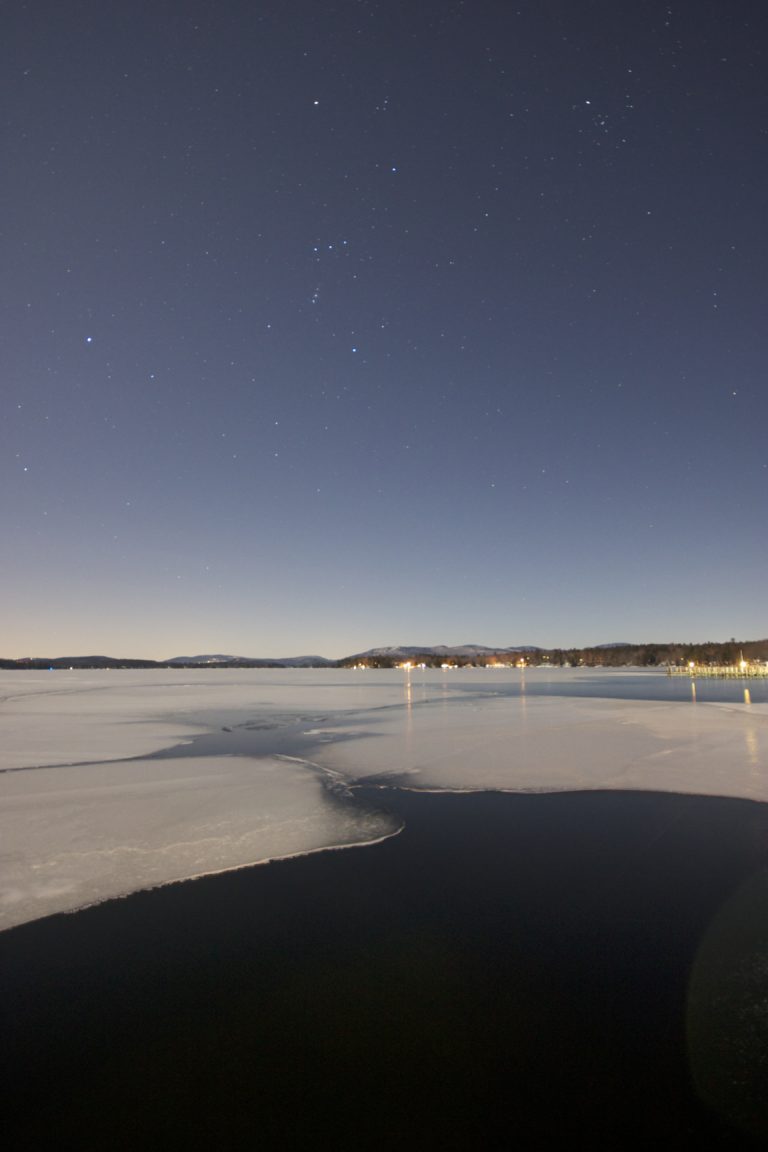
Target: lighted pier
[[744, 670]]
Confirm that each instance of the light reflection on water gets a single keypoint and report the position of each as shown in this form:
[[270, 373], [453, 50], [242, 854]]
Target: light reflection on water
[[615, 685]]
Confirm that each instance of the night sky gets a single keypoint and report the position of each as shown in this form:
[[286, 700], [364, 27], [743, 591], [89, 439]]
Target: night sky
[[332, 325]]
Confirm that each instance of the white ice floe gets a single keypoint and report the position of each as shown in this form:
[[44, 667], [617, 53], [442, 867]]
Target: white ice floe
[[74, 836], [552, 744], [87, 812]]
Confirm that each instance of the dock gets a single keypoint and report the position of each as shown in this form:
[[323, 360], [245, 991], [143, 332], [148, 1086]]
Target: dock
[[744, 670]]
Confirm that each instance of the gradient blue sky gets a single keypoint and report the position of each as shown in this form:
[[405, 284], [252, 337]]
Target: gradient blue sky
[[336, 325]]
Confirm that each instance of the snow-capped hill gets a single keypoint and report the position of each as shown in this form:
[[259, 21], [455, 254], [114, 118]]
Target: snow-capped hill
[[472, 652], [218, 659]]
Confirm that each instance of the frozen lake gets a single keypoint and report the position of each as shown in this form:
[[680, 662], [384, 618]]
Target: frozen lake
[[113, 782], [551, 939]]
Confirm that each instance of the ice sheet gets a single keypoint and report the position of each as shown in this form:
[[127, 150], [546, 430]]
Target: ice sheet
[[75, 836], [91, 808], [85, 816], [548, 744], [66, 717]]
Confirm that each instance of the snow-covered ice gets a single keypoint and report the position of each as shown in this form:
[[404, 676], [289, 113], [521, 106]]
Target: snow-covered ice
[[552, 744], [85, 815], [73, 836], [91, 807]]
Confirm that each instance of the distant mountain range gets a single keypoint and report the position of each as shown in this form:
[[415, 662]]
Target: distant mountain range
[[217, 661], [466, 653], [470, 652]]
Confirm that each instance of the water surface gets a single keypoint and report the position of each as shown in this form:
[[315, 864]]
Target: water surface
[[510, 970]]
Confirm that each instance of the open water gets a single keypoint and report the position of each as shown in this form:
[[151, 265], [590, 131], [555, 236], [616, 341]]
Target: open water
[[509, 971]]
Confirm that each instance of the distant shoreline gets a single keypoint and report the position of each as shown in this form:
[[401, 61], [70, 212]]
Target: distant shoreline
[[615, 655]]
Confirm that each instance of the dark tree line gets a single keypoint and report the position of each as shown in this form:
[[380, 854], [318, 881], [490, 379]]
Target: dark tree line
[[616, 656]]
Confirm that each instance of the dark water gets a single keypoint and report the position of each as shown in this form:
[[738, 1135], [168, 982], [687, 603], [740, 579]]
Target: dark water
[[510, 971], [618, 686]]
